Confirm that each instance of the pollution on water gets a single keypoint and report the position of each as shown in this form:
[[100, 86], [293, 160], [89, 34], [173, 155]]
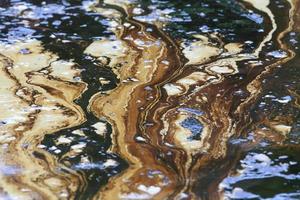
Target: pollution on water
[[149, 99]]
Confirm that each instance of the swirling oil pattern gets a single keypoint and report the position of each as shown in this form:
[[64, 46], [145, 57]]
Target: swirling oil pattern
[[149, 99]]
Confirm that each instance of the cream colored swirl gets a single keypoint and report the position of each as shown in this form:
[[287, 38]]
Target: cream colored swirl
[[34, 91], [172, 113]]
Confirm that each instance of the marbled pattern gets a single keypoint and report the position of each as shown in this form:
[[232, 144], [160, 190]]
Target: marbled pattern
[[126, 100]]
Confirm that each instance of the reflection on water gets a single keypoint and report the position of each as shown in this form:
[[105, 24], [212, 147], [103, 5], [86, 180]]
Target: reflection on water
[[153, 99], [264, 175]]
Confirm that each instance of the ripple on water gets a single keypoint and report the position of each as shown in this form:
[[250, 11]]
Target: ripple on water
[[265, 174]]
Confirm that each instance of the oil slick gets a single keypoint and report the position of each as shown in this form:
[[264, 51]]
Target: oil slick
[[39, 99], [142, 113]]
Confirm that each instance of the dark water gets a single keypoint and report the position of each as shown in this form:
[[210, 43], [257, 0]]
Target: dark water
[[259, 167]]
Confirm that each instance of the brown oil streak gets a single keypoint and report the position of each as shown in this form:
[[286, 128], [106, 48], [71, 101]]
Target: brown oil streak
[[146, 110], [221, 118]]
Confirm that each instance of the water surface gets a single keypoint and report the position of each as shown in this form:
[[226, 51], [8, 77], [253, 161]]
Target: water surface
[[149, 99]]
